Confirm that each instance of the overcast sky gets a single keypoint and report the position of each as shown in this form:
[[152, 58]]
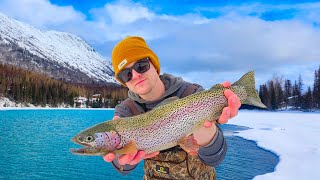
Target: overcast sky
[[205, 43]]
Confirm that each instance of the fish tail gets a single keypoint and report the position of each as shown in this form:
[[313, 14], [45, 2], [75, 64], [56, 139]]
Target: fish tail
[[248, 82]]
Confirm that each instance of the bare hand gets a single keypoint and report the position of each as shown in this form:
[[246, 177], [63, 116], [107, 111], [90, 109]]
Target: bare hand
[[233, 105], [132, 158]]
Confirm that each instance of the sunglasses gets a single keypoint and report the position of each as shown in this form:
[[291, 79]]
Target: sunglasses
[[141, 66]]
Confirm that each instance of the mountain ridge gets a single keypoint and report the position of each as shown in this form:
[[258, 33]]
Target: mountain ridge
[[61, 55]]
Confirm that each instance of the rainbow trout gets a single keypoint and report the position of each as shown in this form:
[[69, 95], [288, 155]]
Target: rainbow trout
[[165, 126]]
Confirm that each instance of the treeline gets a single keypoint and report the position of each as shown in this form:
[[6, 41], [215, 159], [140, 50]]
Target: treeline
[[280, 93], [24, 86]]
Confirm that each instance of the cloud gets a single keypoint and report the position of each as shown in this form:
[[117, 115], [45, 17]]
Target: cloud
[[227, 41], [40, 13], [228, 46], [268, 38], [127, 13]]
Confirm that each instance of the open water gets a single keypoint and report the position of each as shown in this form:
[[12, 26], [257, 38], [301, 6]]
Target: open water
[[35, 145]]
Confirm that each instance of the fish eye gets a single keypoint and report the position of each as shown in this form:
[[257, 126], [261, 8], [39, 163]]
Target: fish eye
[[89, 138]]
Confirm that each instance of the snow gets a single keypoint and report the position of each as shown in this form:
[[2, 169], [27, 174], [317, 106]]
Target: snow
[[63, 48], [293, 136], [6, 104]]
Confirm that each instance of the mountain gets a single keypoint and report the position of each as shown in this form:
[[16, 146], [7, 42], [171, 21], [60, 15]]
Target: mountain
[[60, 55]]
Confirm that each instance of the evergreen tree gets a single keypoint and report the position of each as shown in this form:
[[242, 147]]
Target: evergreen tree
[[300, 88], [88, 101], [307, 100], [274, 105], [279, 95], [295, 93], [100, 102], [264, 95], [316, 89], [287, 92]]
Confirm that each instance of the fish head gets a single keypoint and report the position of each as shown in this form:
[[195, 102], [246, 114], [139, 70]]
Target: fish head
[[97, 140]]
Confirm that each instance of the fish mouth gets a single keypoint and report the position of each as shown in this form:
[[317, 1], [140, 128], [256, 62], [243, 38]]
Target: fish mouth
[[86, 149], [90, 151]]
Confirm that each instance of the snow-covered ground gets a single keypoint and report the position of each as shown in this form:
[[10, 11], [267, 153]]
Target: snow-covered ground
[[293, 136], [5, 103]]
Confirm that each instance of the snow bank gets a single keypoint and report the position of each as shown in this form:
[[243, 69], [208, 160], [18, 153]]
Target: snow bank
[[294, 136]]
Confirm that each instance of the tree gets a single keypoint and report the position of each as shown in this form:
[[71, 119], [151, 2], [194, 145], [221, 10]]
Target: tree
[[274, 104], [287, 92], [264, 95], [307, 100], [316, 89], [279, 94], [295, 93], [100, 102], [88, 100], [300, 88]]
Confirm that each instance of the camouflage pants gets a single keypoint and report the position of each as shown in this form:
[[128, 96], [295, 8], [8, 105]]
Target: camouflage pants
[[177, 165]]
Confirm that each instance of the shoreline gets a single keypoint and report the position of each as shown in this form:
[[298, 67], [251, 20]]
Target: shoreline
[[6, 104], [277, 132], [51, 108]]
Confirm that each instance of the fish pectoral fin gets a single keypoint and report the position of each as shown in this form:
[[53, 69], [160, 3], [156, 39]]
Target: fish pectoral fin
[[131, 147], [189, 144]]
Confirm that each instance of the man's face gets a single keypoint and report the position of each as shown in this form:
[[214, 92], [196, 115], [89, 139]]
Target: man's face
[[143, 83]]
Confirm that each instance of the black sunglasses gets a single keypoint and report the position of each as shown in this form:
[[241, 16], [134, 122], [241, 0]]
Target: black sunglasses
[[140, 66]]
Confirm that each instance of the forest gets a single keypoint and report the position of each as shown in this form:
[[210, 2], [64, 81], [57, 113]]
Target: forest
[[280, 94], [24, 86]]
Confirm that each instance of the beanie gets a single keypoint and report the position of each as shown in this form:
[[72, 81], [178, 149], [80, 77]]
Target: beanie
[[131, 49]]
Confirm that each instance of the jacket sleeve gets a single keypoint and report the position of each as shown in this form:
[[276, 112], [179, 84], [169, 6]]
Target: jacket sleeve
[[126, 168], [214, 153]]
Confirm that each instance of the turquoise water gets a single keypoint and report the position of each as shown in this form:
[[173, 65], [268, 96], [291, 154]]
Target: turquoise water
[[35, 145]]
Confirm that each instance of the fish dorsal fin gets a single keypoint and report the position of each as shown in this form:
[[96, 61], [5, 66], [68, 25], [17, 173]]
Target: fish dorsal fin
[[131, 147], [168, 100], [217, 86]]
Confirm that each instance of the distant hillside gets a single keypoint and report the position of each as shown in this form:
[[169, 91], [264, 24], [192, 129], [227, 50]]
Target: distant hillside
[[62, 56], [26, 87]]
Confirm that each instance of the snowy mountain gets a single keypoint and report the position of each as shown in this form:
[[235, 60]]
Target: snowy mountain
[[58, 54]]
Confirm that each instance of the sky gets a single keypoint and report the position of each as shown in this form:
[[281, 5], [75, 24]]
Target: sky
[[203, 42]]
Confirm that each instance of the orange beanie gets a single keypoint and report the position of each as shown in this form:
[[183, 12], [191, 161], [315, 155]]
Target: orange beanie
[[131, 49]]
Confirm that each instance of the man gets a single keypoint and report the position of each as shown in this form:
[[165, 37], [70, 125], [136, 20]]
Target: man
[[137, 67]]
